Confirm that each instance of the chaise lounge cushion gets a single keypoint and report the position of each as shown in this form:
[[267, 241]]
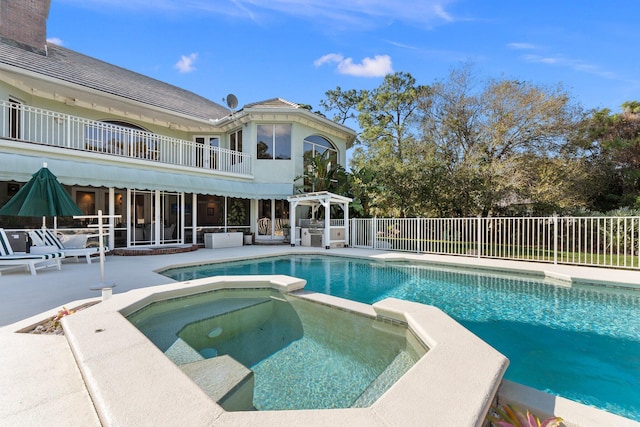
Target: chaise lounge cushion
[[31, 261], [45, 237]]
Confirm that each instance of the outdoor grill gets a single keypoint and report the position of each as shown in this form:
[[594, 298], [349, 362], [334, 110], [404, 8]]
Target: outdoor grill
[[312, 232]]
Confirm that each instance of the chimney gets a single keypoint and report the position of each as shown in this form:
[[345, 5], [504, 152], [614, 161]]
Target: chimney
[[23, 23]]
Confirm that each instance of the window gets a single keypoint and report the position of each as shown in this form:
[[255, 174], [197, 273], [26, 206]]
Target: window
[[15, 119], [235, 141], [315, 146], [210, 210], [274, 142], [273, 215], [120, 138], [235, 144], [206, 155]]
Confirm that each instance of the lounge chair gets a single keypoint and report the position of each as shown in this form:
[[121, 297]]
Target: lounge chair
[[31, 261], [45, 237]]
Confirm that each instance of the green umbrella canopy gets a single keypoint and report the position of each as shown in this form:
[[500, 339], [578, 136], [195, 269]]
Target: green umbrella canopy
[[43, 195]]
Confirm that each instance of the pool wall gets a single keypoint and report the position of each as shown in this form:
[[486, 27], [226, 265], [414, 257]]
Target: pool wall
[[131, 382]]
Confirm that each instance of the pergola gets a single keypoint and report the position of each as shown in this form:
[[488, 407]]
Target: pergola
[[316, 201]]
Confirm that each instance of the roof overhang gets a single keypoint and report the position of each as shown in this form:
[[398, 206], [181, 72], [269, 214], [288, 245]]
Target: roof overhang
[[113, 106]]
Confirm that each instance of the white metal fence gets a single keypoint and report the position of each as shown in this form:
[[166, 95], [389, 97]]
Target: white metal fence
[[591, 241], [36, 125]]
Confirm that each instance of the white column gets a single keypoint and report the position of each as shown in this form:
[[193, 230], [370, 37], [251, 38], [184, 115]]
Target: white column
[[156, 216], [112, 211], [180, 231], [345, 208], [194, 218], [292, 222], [131, 221], [327, 223]]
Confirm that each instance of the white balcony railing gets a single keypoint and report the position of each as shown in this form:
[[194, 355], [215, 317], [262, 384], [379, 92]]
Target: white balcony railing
[[591, 241], [39, 126]]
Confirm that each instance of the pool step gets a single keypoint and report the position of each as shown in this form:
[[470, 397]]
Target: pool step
[[225, 380], [386, 379], [181, 353]]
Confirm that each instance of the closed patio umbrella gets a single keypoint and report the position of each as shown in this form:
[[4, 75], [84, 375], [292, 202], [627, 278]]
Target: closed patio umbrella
[[42, 196]]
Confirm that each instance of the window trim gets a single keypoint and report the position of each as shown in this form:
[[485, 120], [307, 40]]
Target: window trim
[[16, 117], [273, 141], [210, 161]]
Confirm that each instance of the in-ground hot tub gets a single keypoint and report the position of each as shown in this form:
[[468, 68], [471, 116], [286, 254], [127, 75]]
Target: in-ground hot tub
[[132, 382], [261, 349]]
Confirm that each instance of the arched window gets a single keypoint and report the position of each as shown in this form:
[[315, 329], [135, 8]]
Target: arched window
[[316, 145], [120, 138]]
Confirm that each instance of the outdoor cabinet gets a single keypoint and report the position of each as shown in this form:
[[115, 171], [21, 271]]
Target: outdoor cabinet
[[222, 240]]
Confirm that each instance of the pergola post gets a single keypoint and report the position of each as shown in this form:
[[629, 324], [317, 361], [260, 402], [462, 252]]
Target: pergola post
[[293, 204], [345, 209], [327, 223]]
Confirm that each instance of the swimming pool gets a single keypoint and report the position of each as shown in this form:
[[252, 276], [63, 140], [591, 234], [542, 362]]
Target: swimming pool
[[579, 342], [297, 359]]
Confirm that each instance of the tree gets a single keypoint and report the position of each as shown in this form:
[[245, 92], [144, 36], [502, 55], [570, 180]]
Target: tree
[[484, 132], [388, 115], [388, 119], [560, 185], [613, 141], [465, 146], [342, 103]]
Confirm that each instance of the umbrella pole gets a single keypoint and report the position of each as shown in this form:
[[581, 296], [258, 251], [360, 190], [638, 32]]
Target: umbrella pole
[[100, 226]]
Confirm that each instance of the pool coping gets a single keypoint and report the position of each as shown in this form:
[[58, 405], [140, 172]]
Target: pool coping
[[556, 274], [35, 390], [454, 383]]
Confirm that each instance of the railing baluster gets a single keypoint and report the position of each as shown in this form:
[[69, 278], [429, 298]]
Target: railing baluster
[[62, 130]]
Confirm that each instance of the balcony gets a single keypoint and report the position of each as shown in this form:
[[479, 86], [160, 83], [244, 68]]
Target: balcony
[[35, 125]]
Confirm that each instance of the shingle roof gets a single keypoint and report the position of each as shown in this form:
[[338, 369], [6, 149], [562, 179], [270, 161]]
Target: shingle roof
[[73, 67]]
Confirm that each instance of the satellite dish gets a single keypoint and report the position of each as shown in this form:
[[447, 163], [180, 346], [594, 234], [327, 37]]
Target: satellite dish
[[232, 101]]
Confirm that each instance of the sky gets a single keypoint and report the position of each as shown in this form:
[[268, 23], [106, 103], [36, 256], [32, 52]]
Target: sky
[[299, 49]]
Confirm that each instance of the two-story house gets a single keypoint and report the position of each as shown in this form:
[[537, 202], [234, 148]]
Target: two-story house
[[171, 163]]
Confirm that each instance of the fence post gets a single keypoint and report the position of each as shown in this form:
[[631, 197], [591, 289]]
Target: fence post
[[555, 238], [479, 233], [374, 232], [418, 234]]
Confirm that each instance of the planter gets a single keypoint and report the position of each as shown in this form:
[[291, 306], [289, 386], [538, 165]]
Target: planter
[[248, 239]]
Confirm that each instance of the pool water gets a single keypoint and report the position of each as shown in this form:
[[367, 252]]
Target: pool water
[[580, 342], [299, 359]]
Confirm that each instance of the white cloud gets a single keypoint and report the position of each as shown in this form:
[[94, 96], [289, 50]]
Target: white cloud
[[378, 66], [521, 46], [185, 64], [54, 40], [330, 57], [329, 13], [571, 63], [439, 11]]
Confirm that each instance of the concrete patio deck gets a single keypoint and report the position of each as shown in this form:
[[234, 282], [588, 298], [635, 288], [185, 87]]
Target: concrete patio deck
[[41, 382]]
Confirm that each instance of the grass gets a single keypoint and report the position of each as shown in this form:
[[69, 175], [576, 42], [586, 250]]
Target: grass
[[526, 253]]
